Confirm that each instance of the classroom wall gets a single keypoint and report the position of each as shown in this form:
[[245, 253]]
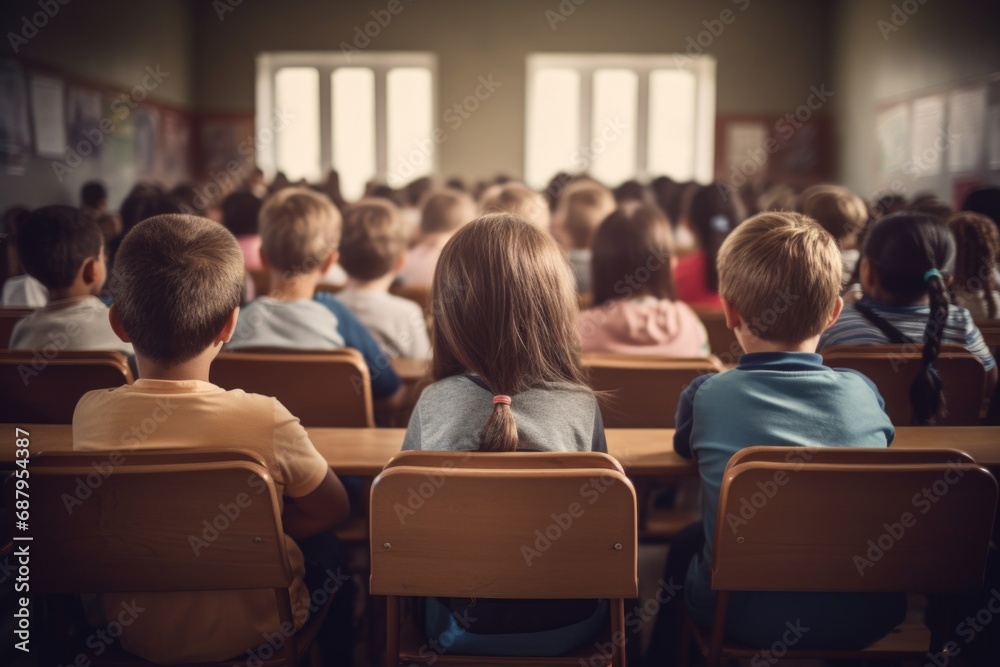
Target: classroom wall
[[938, 44], [107, 43], [768, 57]]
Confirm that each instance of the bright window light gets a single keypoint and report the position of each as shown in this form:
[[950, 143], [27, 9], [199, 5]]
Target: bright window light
[[409, 127], [296, 93], [553, 125], [353, 93], [672, 106], [613, 125]]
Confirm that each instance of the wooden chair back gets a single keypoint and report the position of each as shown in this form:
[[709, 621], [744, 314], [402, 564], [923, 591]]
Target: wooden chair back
[[847, 455], [643, 389], [893, 367], [419, 294], [37, 390], [991, 334], [325, 389], [8, 318], [721, 339], [506, 460]]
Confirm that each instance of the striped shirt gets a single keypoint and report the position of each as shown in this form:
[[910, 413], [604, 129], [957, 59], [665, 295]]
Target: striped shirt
[[852, 328]]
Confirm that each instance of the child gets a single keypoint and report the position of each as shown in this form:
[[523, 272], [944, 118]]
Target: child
[[300, 232], [974, 284], [715, 211], [507, 377], [779, 277], [844, 215], [373, 251], [581, 209], [177, 283], [240, 212], [635, 311], [443, 214], [517, 199], [65, 252], [904, 264], [19, 289]]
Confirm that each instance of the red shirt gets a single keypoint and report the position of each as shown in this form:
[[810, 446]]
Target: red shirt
[[689, 281]]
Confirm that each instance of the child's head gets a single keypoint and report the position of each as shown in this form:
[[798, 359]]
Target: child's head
[[906, 260], [505, 309], [241, 213], [780, 274], [94, 195], [582, 207], [715, 211], [299, 231], [177, 281], [519, 200], [633, 255], [977, 242], [62, 249], [446, 211], [838, 210], [373, 241]]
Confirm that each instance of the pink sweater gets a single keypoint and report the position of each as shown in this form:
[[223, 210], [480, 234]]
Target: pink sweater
[[643, 326]]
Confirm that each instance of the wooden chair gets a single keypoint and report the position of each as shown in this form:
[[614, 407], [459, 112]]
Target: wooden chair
[[8, 318], [466, 540], [417, 293], [721, 339], [327, 389], [893, 367], [37, 390], [991, 334], [81, 552], [807, 536], [644, 389]]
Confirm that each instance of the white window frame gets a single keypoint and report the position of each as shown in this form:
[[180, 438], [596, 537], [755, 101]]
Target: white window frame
[[703, 68], [325, 62]]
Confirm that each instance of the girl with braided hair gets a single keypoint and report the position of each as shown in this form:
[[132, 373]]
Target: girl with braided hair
[[905, 263], [974, 283]]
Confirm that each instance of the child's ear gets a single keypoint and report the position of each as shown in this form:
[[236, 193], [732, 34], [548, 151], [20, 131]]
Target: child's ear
[[866, 275], [733, 320], [229, 328], [263, 260], [397, 266], [90, 269], [330, 261], [116, 325], [838, 307]]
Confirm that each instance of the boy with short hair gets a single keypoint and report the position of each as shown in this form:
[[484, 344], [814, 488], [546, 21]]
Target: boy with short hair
[[843, 214], [443, 214], [373, 250], [779, 278], [300, 235], [582, 208], [519, 199], [64, 251]]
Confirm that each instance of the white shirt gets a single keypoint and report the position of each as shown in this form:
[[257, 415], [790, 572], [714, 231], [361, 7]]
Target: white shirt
[[397, 324], [68, 324], [302, 324], [24, 292]]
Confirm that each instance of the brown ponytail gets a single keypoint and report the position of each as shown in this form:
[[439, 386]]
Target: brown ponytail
[[499, 434]]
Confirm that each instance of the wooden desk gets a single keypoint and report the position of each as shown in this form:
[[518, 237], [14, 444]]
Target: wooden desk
[[643, 452]]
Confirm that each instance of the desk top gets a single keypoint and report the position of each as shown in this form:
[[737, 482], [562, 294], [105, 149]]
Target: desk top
[[643, 452]]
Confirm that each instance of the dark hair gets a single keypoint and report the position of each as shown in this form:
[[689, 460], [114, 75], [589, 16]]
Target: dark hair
[[240, 213], [53, 242], [930, 204], [631, 191], [11, 221], [887, 204], [985, 201], [663, 188], [176, 280], [623, 246], [415, 191], [902, 249], [186, 196], [93, 194], [145, 201], [716, 210], [977, 243]]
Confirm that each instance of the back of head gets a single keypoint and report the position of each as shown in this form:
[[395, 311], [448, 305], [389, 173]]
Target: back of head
[[505, 309], [581, 210], [373, 239], [887, 204], [445, 211], [241, 212], [781, 197], [53, 242], [986, 201], [145, 201], [837, 209], [519, 200], [715, 211], [299, 230], [176, 280], [911, 255], [94, 195], [977, 245], [415, 191], [633, 242], [631, 191], [781, 272], [930, 204]]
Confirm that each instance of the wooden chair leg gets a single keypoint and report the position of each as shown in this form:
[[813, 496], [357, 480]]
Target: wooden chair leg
[[718, 630], [618, 632], [392, 631]]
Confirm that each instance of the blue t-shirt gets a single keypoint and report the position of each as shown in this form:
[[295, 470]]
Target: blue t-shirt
[[770, 398], [385, 382]]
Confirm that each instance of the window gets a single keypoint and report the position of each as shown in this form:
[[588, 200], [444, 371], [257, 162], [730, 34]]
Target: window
[[367, 115], [620, 117]]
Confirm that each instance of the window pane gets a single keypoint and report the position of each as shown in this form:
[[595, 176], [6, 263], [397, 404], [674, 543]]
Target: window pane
[[296, 93], [353, 91], [409, 129], [671, 124], [613, 133], [553, 124]]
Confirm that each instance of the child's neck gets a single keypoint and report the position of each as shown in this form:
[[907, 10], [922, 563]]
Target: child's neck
[[192, 369], [76, 291], [286, 287], [378, 285], [753, 344]]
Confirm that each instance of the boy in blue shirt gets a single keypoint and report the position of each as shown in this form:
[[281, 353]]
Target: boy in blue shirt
[[779, 278]]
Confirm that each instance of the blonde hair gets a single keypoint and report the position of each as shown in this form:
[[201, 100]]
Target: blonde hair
[[299, 230], [581, 210], [445, 211], [837, 209], [781, 272], [519, 200], [505, 309], [373, 239]]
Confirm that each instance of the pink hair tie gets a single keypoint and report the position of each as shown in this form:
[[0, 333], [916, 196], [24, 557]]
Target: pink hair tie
[[500, 398]]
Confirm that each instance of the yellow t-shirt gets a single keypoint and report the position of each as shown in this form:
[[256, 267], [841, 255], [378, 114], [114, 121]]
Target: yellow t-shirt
[[209, 626]]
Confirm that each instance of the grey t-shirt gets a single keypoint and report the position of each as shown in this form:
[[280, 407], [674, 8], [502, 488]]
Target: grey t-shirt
[[451, 413]]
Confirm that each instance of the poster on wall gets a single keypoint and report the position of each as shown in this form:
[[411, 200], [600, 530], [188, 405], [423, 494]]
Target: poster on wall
[[15, 132], [175, 141], [145, 121], [966, 127], [83, 119], [48, 116], [892, 127]]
